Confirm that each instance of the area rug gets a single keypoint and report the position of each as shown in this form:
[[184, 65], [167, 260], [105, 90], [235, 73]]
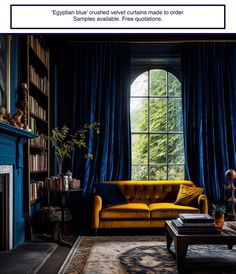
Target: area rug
[[145, 254]]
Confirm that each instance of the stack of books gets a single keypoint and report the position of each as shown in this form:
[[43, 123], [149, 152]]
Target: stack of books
[[195, 224]]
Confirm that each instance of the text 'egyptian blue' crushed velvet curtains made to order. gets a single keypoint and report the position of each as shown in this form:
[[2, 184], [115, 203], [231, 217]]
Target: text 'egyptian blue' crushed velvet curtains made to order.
[[99, 80], [209, 114]]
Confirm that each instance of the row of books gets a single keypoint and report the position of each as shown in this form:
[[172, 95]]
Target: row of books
[[39, 81], [42, 53], [33, 124], [40, 141], [38, 162], [57, 183], [36, 109], [36, 190], [195, 224]]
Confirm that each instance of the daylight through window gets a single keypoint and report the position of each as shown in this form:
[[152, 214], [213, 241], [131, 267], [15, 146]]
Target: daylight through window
[[156, 126]]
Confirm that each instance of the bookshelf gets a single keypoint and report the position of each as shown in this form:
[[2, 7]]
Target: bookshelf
[[34, 64]]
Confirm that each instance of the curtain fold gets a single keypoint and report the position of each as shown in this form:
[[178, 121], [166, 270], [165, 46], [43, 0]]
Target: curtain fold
[[99, 81], [209, 114]]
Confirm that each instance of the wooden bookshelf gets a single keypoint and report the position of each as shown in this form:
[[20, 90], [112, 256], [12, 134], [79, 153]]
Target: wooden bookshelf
[[34, 67]]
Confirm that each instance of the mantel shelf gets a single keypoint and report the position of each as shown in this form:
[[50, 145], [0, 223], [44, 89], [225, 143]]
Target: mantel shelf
[[13, 136], [17, 132]]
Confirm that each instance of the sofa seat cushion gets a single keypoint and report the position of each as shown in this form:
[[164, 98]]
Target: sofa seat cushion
[[126, 211], [169, 210]]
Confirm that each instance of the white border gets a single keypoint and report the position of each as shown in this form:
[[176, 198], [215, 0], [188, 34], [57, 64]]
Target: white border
[[230, 15]]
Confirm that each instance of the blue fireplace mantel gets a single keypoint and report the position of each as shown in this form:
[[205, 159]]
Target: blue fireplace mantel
[[12, 140]]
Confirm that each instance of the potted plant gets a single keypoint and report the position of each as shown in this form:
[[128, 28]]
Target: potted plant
[[218, 214], [64, 143]]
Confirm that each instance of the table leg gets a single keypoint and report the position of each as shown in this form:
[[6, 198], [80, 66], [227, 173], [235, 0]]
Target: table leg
[[63, 203], [180, 253], [168, 239]]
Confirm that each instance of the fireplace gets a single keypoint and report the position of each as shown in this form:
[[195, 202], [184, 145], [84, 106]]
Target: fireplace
[[6, 207], [12, 217]]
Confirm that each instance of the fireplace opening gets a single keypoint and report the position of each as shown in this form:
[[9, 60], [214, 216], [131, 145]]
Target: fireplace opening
[[6, 207], [4, 212]]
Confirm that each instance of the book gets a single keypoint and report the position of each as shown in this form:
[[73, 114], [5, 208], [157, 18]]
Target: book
[[211, 230], [198, 224], [186, 227], [196, 218]]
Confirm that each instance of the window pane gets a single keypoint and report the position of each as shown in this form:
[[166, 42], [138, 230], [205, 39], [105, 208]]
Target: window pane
[[174, 86], [176, 149], [158, 148], [140, 85], [157, 82], [175, 123], [139, 114], [139, 148], [139, 172], [176, 173], [158, 173], [158, 120]]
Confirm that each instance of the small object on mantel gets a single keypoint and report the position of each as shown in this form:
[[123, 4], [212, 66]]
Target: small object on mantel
[[24, 105], [16, 119], [4, 116]]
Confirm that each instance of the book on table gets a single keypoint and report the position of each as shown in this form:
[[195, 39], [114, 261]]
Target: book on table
[[195, 224], [200, 228], [196, 218]]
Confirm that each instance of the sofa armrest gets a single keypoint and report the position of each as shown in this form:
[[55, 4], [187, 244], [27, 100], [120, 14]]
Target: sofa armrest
[[203, 203], [97, 207]]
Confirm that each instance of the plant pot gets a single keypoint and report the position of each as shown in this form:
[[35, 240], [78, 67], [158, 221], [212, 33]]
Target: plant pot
[[219, 220]]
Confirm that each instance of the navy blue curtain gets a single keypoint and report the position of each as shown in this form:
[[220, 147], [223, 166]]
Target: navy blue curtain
[[99, 81], [209, 114]]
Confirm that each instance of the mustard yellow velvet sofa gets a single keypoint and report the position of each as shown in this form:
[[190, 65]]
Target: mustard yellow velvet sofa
[[150, 203]]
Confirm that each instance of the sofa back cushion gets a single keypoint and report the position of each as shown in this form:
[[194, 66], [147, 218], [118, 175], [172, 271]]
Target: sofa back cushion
[[150, 191]]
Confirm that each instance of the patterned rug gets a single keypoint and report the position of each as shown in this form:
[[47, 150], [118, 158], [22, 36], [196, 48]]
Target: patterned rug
[[144, 254]]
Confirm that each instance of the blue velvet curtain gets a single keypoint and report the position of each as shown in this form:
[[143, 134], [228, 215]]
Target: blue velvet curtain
[[99, 80], [209, 114]]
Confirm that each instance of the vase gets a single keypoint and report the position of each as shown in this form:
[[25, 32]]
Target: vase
[[59, 164]]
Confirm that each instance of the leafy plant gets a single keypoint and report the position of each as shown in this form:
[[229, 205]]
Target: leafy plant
[[219, 210], [64, 143]]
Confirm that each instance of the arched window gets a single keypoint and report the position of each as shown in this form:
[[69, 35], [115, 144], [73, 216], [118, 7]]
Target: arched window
[[156, 126]]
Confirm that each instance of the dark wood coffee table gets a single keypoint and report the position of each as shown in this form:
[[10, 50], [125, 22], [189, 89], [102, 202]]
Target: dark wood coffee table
[[181, 242]]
